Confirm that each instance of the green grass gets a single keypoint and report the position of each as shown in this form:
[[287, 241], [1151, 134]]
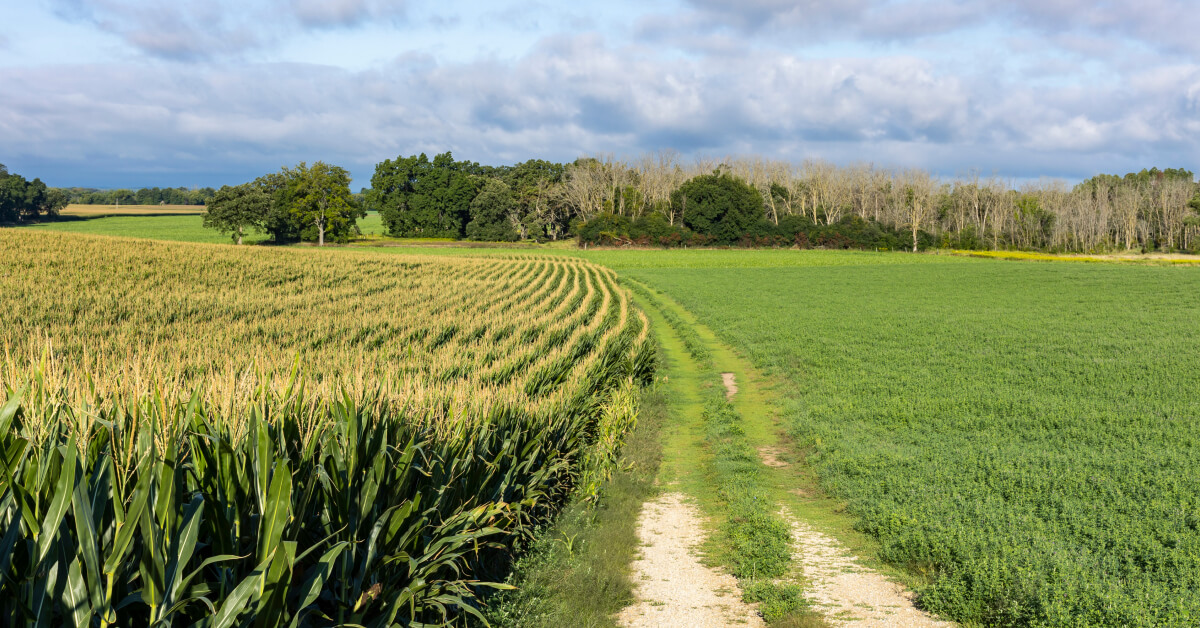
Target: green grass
[[634, 259], [709, 454], [1020, 436]]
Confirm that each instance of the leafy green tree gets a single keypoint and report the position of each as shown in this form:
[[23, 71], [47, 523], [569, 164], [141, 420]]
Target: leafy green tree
[[56, 201], [35, 199], [12, 196], [322, 200], [236, 209], [25, 200], [417, 197], [718, 205], [279, 222], [492, 213]]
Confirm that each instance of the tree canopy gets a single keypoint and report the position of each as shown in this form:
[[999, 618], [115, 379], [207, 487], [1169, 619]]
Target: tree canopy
[[492, 213], [322, 201], [417, 197], [21, 199], [236, 209], [718, 205], [311, 203]]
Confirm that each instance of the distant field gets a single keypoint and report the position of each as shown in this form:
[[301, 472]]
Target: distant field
[[177, 224], [178, 228], [1021, 434], [130, 210]]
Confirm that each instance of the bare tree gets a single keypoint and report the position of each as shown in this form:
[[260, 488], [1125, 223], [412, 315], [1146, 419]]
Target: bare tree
[[1171, 206], [915, 201], [1127, 203], [584, 184]]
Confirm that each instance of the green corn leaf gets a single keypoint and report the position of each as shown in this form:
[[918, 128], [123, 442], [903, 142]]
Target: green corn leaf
[[164, 506], [87, 539], [9, 410], [242, 596], [43, 596], [311, 588], [182, 548], [128, 528], [152, 562], [9, 461], [276, 509], [75, 597], [8, 543], [58, 506]]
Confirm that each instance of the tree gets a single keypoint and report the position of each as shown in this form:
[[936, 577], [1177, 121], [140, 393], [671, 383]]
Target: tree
[[1033, 222], [423, 198], [322, 199], [56, 201], [915, 200], [584, 184], [235, 209], [537, 191], [719, 205], [494, 214]]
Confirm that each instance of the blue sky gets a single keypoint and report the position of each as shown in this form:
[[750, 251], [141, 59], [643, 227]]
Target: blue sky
[[132, 93]]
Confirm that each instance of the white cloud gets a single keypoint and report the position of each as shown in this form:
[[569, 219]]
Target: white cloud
[[574, 95], [716, 77], [212, 29]]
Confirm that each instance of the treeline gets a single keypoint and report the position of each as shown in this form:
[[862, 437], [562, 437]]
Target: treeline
[[662, 200], [21, 199], [143, 196], [443, 198], [310, 203]]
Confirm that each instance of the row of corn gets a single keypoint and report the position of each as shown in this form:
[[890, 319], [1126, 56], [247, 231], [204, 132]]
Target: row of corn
[[316, 438]]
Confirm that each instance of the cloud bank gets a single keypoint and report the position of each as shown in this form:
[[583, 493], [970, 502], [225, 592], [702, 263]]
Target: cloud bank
[[1019, 89]]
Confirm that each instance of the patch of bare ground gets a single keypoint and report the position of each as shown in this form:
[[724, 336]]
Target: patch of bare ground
[[770, 456], [730, 382], [849, 594], [673, 587]]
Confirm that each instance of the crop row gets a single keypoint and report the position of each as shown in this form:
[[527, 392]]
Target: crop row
[[218, 436]]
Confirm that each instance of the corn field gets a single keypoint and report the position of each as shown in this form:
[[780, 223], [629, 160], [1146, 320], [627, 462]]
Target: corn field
[[214, 436]]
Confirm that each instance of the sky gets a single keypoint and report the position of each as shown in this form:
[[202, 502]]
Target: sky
[[132, 93]]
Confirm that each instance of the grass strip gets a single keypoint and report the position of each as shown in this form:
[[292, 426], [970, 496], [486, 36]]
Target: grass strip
[[695, 345], [757, 541], [754, 543]]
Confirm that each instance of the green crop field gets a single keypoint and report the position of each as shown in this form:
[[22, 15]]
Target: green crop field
[[1021, 436], [193, 434]]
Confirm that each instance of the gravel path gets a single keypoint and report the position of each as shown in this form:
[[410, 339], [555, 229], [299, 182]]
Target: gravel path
[[673, 587], [848, 593]]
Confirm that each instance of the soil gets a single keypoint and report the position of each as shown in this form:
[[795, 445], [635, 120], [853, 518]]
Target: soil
[[770, 456], [730, 382], [849, 594], [673, 587]]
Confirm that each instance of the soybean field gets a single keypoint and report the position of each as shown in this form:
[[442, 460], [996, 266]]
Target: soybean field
[[1020, 437]]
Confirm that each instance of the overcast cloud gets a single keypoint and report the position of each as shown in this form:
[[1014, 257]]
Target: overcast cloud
[[208, 92]]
